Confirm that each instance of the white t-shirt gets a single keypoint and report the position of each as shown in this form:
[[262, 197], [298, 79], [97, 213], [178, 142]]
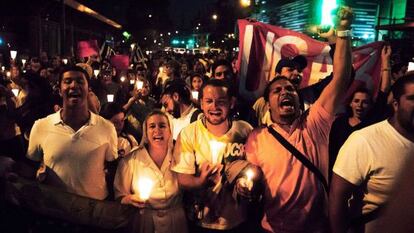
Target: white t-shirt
[[376, 155], [179, 123], [75, 159]]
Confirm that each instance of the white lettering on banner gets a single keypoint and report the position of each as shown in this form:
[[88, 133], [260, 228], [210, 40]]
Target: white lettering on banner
[[267, 60], [362, 73], [316, 71], [247, 44]]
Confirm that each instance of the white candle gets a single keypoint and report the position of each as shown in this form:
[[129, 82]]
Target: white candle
[[15, 91], [23, 61], [139, 84], [194, 94], [96, 72], [216, 148], [110, 98], [13, 54], [65, 61], [144, 188]]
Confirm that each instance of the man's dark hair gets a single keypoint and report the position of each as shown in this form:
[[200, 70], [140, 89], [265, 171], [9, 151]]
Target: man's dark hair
[[73, 68], [217, 83], [221, 62], [398, 88], [109, 110], [178, 86], [267, 89], [397, 67]]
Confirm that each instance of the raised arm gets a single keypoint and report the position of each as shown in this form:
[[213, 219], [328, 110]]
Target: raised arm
[[333, 94], [385, 69]]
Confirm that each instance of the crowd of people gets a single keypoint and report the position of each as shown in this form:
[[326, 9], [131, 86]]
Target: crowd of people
[[172, 139]]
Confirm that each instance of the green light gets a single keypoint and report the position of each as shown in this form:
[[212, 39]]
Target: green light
[[190, 41], [175, 41], [126, 34], [327, 7], [182, 42]]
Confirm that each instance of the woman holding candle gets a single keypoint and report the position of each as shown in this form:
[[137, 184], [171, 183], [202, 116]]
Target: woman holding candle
[[145, 180]]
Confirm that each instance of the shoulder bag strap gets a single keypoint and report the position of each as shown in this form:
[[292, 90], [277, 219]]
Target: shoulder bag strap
[[305, 161]]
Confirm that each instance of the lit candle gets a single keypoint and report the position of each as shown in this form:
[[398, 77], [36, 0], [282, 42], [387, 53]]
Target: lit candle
[[15, 91], [8, 74], [194, 94], [144, 188], [96, 72], [13, 54], [216, 148], [65, 61], [3, 68], [110, 98], [249, 178], [132, 81], [122, 79], [23, 61], [139, 84]]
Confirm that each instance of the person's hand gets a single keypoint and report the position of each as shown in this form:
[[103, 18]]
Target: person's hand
[[386, 54], [329, 35], [246, 186], [344, 18], [133, 199], [210, 174]]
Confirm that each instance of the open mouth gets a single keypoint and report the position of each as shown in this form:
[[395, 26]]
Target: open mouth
[[215, 113], [287, 104], [158, 138], [74, 95]]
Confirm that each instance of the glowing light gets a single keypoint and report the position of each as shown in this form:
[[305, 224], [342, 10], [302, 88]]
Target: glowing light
[[365, 36], [15, 91], [96, 73], [216, 148], [149, 16], [13, 54], [110, 98], [122, 79], [132, 81], [215, 17], [132, 46], [144, 188], [327, 7], [139, 84], [245, 3], [194, 94], [65, 61], [23, 61]]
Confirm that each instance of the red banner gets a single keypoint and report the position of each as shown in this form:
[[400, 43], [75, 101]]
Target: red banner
[[120, 62], [263, 45], [88, 48]]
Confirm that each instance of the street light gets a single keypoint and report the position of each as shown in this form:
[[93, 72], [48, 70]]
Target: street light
[[215, 17], [245, 3]]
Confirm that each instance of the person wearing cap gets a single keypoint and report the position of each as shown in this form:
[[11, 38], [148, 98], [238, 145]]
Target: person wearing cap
[[291, 68], [295, 196]]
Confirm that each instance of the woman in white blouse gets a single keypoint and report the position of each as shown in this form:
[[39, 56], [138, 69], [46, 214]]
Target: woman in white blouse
[[147, 169]]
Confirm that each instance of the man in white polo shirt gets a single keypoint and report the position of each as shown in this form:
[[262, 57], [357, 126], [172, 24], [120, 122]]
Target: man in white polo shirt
[[74, 143]]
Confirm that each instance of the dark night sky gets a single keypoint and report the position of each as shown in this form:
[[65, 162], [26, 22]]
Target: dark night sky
[[185, 10]]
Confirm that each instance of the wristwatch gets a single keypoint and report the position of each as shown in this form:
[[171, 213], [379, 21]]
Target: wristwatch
[[344, 33]]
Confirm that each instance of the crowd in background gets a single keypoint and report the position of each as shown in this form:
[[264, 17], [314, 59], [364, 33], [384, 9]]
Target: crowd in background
[[160, 116]]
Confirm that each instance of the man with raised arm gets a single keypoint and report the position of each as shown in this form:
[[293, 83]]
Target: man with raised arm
[[295, 198]]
